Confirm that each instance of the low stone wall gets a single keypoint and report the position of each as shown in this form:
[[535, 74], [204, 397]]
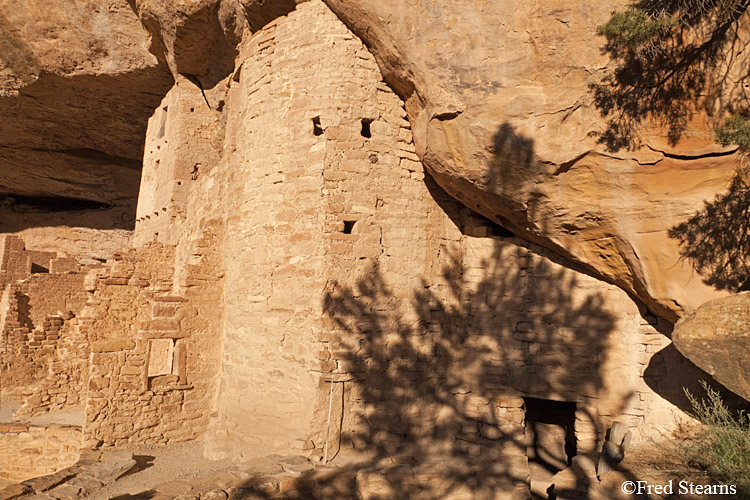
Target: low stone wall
[[37, 450]]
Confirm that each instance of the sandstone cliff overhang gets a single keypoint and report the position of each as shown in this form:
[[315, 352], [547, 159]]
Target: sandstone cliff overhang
[[77, 86]]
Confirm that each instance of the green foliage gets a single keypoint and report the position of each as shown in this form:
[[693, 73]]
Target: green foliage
[[724, 445], [634, 27], [736, 130], [670, 58]]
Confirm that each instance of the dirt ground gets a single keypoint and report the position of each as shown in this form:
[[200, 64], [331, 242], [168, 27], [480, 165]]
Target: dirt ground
[[160, 464]]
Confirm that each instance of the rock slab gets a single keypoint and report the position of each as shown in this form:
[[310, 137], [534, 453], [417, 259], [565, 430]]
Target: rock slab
[[716, 337]]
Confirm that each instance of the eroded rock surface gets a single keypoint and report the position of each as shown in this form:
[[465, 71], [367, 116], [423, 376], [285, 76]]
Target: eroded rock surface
[[716, 338], [199, 38], [503, 116], [77, 86]]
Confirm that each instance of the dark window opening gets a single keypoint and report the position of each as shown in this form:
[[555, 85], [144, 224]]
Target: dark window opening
[[498, 230], [479, 225], [366, 128], [348, 226], [317, 129], [37, 269], [550, 436]]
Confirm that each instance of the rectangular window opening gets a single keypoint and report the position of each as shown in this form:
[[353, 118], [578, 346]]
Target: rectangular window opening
[[366, 128], [317, 129]]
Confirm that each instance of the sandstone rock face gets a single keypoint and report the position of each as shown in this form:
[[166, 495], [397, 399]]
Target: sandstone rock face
[[716, 337], [498, 95], [76, 88], [195, 38], [198, 38]]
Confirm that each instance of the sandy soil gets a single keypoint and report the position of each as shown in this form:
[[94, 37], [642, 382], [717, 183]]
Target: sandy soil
[[157, 465]]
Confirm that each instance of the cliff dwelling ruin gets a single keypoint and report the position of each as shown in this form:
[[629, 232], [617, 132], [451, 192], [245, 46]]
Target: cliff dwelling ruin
[[292, 251]]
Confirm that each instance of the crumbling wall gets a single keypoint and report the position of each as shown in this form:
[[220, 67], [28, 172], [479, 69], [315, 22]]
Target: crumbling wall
[[65, 379], [147, 373], [37, 450], [43, 352], [51, 294], [28, 350], [14, 261]]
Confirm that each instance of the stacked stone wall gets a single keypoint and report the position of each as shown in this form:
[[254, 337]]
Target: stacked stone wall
[[37, 450], [14, 262], [147, 379], [44, 354], [63, 386], [54, 293]]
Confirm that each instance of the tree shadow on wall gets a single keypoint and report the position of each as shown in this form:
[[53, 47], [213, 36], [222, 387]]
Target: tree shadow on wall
[[437, 379], [716, 240], [513, 163], [667, 79]]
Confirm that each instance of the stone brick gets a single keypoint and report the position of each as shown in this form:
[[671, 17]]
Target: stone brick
[[112, 345]]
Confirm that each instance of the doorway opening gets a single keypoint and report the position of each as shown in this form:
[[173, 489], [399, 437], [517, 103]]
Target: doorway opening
[[550, 436]]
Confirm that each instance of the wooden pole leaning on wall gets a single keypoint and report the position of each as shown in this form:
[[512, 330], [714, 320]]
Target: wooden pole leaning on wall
[[334, 378]]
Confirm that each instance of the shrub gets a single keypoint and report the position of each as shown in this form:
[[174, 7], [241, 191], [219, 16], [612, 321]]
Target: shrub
[[634, 27], [736, 131], [723, 446]]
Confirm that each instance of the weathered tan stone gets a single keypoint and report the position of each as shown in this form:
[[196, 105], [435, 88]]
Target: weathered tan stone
[[112, 345], [173, 488], [506, 123], [54, 55], [14, 491], [39, 452], [160, 357], [715, 338]]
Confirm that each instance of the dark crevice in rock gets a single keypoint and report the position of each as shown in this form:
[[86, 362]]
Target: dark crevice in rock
[[261, 12], [49, 203], [565, 166], [450, 115], [96, 156], [686, 157]]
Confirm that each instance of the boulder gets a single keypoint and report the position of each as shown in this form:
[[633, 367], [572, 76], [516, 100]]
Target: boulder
[[716, 337]]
